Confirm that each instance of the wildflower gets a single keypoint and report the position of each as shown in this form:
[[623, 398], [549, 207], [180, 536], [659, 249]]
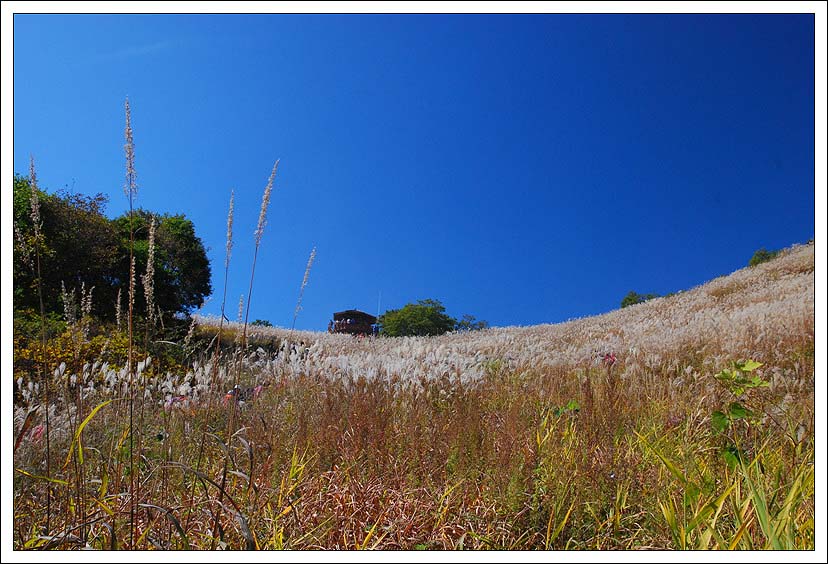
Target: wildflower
[[609, 359], [241, 395], [180, 402], [37, 433]]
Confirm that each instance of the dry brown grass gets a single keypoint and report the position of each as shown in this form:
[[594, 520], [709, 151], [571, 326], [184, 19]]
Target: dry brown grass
[[509, 438]]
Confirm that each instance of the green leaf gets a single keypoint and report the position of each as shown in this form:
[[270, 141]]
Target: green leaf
[[667, 463], [732, 456], [725, 375], [39, 477], [738, 411], [719, 421], [77, 437], [573, 405], [691, 494], [748, 365], [172, 518], [758, 497]]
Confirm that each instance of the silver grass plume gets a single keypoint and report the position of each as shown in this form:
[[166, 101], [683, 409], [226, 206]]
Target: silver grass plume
[[190, 333], [86, 309], [239, 332], [35, 200], [229, 245], [304, 283], [118, 310], [131, 187], [69, 307], [265, 203], [132, 283], [148, 278], [86, 300], [22, 247]]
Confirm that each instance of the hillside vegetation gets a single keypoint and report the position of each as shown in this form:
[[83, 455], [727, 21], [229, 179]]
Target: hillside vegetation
[[683, 422]]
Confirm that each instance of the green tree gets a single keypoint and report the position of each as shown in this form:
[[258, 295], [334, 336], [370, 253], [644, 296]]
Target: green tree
[[426, 317], [635, 298], [762, 255], [470, 323], [182, 270], [262, 323], [79, 246]]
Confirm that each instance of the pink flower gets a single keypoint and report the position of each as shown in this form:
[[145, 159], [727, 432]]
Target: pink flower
[[37, 433], [175, 401], [609, 359]]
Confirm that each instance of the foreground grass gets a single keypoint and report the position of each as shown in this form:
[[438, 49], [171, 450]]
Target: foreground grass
[[633, 430], [517, 460]]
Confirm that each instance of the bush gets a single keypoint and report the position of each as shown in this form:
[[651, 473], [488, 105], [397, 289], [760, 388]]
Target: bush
[[426, 317], [635, 298], [762, 255]]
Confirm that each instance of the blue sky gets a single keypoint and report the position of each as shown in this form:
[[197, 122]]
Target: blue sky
[[521, 168]]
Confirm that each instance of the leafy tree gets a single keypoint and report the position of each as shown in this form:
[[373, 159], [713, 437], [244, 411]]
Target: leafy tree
[[426, 317], [635, 298], [182, 270], [470, 323], [762, 255], [262, 323], [79, 245]]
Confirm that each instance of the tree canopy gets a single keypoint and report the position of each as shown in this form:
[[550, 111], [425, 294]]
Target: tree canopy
[[425, 318], [762, 255], [182, 270], [79, 245], [470, 323], [635, 298]]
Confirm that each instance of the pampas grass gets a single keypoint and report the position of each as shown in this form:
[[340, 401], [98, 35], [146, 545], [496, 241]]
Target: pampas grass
[[302, 288], [591, 434], [131, 191], [34, 206], [474, 440], [258, 234]]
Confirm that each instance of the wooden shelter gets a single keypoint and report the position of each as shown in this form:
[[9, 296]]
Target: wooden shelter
[[352, 321]]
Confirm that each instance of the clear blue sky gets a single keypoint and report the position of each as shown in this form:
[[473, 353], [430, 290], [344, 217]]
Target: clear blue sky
[[523, 169]]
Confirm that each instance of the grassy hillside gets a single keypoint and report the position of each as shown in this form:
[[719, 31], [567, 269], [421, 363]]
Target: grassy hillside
[[682, 422]]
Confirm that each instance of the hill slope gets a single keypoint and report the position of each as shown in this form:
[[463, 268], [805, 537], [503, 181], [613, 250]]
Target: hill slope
[[764, 312]]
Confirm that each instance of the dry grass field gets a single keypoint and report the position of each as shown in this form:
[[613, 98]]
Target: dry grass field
[[683, 422]]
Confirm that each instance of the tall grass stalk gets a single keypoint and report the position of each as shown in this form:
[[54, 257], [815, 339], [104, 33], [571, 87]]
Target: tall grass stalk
[[233, 404], [228, 252], [148, 282], [217, 354], [36, 223], [131, 191], [258, 239], [302, 288], [118, 313]]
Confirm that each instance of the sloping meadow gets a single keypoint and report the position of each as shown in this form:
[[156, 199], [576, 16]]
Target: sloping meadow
[[683, 422]]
